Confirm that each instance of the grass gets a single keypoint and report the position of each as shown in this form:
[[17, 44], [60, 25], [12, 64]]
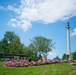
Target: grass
[[52, 69]]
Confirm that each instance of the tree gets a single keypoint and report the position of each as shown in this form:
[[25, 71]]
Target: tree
[[9, 36], [40, 45], [64, 56], [3, 45], [56, 58], [74, 55], [11, 44]]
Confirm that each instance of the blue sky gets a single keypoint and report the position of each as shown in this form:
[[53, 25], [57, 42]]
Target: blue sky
[[47, 18]]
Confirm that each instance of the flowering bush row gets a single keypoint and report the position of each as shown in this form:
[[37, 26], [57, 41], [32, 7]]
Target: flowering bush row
[[25, 63]]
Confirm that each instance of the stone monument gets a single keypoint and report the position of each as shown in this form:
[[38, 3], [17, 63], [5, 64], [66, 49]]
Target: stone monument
[[68, 54]]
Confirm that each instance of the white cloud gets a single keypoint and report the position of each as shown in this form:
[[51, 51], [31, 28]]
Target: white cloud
[[12, 8], [74, 32], [45, 11], [12, 22], [23, 24], [51, 54]]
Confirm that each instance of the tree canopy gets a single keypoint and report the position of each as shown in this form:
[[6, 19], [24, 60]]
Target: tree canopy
[[64, 56], [11, 43], [40, 45], [74, 55]]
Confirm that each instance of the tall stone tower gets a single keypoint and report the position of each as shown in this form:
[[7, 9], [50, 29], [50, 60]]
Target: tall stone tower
[[68, 42]]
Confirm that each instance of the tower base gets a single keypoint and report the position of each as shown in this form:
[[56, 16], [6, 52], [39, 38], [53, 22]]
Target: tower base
[[69, 57]]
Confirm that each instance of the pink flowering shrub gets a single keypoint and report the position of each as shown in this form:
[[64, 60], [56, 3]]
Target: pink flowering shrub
[[25, 63], [74, 61], [17, 63]]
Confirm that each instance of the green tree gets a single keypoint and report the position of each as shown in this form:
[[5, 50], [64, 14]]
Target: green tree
[[74, 55], [56, 58], [4, 45], [9, 36], [64, 56], [11, 43], [40, 45]]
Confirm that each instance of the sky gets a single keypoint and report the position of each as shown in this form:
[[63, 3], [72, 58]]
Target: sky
[[47, 18]]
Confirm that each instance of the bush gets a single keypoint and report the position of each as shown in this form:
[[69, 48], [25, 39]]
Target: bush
[[25, 63]]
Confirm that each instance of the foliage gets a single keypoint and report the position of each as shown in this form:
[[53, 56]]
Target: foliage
[[11, 43], [24, 63], [64, 56], [40, 45], [56, 58], [74, 55]]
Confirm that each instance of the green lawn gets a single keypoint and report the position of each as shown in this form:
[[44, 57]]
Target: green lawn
[[52, 69]]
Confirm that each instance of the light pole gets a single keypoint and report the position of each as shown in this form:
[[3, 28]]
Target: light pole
[[68, 42]]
